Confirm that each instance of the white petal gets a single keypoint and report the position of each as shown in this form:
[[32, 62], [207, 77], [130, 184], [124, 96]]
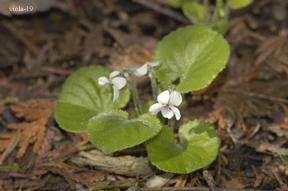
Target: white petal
[[175, 98], [167, 112], [116, 93], [163, 97], [176, 112], [119, 82], [155, 108], [103, 81], [142, 70], [154, 63], [114, 74]]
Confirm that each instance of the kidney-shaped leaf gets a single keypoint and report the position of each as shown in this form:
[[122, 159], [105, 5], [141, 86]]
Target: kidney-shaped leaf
[[198, 147], [113, 131], [82, 98], [195, 54]]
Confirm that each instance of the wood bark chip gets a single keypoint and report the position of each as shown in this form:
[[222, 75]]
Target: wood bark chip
[[124, 165]]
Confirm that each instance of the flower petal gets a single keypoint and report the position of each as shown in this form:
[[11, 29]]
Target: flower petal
[[142, 70], [114, 74], [103, 81], [119, 82], [154, 63], [155, 108], [116, 93], [176, 112], [175, 98], [167, 112], [163, 97]]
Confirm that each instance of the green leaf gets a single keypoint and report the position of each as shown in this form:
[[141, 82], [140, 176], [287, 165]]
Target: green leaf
[[82, 98], [195, 54], [112, 131], [237, 4], [194, 11], [197, 148]]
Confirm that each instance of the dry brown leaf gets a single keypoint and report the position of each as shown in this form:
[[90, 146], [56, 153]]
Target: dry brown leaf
[[278, 130], [36, 112], [241, 33], [130, 58], [181, 181], [234, 183], [271, 54], [246, 99]]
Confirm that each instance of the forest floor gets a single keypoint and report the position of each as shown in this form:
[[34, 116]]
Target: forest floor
[[248, 102]]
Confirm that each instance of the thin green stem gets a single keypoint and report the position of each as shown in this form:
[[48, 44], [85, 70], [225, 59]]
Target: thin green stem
[[226, 10], [152, 76], [219, 10], [9, 168], [135, 96], [172, 123], [207, 11]]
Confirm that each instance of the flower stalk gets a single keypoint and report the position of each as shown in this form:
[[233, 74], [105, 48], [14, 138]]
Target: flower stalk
[[154, 85], [135, 96], [148, 67]]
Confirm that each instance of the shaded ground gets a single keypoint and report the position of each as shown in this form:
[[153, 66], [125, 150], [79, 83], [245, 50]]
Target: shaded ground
[[248, 101]]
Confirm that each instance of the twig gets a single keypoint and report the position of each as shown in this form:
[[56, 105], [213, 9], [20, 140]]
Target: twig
[[162, 10], [11, 146], [209, 179]]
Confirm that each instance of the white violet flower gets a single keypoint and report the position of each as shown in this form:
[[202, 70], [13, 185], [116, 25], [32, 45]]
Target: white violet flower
[[167, 104], [144, 69], [116, 81]]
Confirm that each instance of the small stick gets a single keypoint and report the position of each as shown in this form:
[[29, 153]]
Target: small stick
[[209, 179], [11, 146]]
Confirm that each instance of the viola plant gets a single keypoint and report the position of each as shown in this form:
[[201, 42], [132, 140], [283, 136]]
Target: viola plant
[[215, 16], [188, 59]]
